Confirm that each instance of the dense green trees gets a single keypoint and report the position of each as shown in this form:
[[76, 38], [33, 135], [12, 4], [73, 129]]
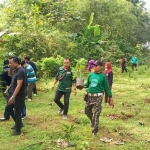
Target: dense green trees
[[44, 28]]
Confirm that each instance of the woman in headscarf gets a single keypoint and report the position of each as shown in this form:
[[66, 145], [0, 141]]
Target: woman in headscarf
[[109, 74], [91, 65]]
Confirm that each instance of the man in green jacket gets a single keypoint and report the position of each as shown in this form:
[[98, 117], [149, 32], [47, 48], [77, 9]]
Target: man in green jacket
[[65, 78], [96, 85]]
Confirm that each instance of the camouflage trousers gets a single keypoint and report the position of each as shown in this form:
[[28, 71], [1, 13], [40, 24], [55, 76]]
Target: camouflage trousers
[[93, 109]]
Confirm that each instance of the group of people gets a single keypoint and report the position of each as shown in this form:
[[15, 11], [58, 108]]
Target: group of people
[[97, 83], [123, 63], [22, 78], [21, 82]]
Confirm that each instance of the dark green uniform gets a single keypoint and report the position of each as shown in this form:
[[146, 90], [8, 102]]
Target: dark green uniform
[[65, 84], [96, 85], [65, 78]]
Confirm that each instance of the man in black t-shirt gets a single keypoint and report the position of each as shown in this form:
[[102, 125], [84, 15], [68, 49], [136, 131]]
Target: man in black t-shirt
[[18, 84]]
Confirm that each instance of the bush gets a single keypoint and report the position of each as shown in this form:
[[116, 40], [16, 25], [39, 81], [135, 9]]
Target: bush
[[48, 67]]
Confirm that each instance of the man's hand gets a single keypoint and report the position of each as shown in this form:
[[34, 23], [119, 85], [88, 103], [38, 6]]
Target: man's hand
[[11, 101], [111, 103], [75, 92], [52, 88]]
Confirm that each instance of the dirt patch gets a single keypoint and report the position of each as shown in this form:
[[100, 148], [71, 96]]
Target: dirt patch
[[43, 90], [147, 100], [120, 116]]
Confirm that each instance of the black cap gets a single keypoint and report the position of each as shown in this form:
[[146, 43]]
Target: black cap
[[98, 62]]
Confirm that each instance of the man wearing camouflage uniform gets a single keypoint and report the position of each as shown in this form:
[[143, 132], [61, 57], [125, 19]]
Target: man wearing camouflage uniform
[[96, 85]]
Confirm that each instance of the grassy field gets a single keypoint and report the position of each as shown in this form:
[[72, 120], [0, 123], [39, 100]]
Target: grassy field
[[127, 126]]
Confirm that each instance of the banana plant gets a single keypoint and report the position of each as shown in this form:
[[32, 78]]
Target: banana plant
[[79, 68]]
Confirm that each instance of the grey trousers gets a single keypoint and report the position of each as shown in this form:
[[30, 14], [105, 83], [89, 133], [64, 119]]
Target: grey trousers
[[30, 89], [93, 109]]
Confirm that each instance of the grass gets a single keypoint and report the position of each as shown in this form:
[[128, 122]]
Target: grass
[[43, 126]]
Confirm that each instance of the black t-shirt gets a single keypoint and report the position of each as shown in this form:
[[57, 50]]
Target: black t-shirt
[[6, 78], [19, 74]]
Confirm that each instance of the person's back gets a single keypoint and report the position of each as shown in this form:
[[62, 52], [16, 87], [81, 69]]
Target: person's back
[[33, 66], [27, 60], [31, 78], [134, 60], [5, 78]]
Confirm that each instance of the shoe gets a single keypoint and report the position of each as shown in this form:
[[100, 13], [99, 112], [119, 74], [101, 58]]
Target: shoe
[[23, 117], [60, 111], [16, 133], [35, 94], [3, 119], [64, 117], [14, 127], [29, 100]]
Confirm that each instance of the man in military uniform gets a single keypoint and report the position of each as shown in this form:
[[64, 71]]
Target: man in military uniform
[[65, 78], [96, 85]]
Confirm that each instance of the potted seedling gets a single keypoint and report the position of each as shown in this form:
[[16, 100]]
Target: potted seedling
[[77, 72]]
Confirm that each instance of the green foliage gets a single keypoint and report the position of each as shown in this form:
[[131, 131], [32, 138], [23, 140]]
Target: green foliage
[[48, 67], [68, 130], [78, 29], [84, 145], [79, 67]]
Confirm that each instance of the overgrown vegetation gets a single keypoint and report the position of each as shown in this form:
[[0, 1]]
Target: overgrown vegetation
[[89, 29]]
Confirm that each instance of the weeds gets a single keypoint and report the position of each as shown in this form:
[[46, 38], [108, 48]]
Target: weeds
[[68, 129]]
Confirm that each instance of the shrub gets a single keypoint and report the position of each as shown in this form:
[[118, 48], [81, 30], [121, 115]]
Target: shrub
[[47, 67]]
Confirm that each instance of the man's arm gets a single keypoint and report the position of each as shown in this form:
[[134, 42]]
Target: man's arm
[[10, 71], [74, 88], [54, 84], [86, 85]]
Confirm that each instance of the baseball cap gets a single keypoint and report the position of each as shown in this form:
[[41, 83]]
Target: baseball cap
[[98, 63]]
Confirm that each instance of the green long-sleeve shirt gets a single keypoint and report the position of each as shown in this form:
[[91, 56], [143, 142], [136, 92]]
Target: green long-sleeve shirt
[[97, 83], [65, 84]]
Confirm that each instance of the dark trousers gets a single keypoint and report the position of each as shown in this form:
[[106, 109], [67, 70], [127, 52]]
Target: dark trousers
[[9, 109], [30, 88], [57, 98], [106, 96], [124, 69], [18, 106], [34, 89], [134, 66], [7, 112]]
